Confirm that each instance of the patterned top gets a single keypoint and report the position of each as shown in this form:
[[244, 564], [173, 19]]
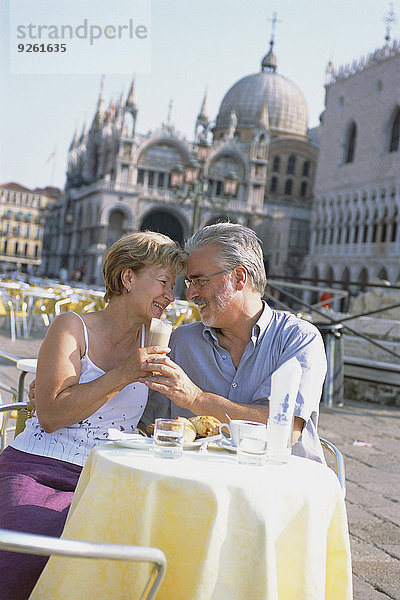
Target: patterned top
[[74, 443]]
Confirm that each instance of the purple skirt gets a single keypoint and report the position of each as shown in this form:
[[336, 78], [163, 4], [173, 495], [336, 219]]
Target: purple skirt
[[35, 495]]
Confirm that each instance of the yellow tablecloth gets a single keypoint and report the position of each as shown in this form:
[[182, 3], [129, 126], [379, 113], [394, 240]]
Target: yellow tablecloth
[[229, 531]]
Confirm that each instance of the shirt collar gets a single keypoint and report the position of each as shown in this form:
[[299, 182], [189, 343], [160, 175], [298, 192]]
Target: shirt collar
[[264, 320]]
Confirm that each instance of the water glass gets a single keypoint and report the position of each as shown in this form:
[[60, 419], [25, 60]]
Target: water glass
[[168, 438], [252, 444]]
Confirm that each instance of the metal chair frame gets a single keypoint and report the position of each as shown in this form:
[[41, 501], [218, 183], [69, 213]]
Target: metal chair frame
[[27, 543], [339, 462], [9, 407]]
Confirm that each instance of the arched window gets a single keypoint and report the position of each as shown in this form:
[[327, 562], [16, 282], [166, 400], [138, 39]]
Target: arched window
[[303, 189], [365, 231], [350, 143], [306, 168], [288, 187], [395, 132], [276, 164], [274, 184], [394, 226], [374, 227], [356, 228], [291, 164]]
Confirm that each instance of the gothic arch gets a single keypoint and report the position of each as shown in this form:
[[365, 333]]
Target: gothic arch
[[391, 131], [178, 153], [315, 279], [349, 143], [363, 279], [346, 284], [220, 164], [330, 276], [117, 226], [163, 221], [105, 215], [383, 274]]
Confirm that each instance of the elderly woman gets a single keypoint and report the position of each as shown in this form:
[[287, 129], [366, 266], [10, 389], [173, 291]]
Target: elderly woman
[[87, 381]]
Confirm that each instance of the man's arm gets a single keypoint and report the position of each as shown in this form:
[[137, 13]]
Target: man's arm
[[178, 387]]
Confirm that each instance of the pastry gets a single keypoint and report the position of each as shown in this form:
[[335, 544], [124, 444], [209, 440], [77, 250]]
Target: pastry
[[205, 426], [190, 430]]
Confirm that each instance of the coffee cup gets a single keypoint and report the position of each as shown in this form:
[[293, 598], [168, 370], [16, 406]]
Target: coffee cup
[[233, 428]]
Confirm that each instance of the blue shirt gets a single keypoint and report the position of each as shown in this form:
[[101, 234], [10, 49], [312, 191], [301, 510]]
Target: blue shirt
[[276, 337]]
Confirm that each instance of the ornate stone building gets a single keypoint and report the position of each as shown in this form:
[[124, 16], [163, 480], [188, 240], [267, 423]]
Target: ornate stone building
[[355, 226], [22, 214], [119, 180]]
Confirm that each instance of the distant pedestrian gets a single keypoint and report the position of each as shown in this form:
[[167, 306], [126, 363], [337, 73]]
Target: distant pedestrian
[[63, 275]]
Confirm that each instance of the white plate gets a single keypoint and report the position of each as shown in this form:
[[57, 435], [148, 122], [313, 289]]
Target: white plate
[[140, 443], [226, 445], [197, 443]]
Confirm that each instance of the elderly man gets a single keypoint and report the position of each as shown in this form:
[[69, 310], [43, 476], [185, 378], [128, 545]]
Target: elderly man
[[223, 364]]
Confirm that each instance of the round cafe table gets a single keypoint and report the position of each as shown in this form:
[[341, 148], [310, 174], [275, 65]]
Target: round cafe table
[[229, 531]]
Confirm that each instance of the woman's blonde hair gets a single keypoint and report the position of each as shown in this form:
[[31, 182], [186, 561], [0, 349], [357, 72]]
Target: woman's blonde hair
[[138, 251]]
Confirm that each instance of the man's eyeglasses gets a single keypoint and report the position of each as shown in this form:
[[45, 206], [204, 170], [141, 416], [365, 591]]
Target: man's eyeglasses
[[200, 281]]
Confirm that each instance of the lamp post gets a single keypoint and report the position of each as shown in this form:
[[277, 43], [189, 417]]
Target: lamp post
[[198, 191]]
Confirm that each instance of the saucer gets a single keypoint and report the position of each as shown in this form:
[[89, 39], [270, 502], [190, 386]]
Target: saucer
[[226, 445]]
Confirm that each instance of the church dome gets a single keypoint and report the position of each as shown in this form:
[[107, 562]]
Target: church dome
[[287, 108]]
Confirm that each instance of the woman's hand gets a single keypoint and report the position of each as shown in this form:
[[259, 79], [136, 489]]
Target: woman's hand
[[166, 377], [31, 396], [131, 369]]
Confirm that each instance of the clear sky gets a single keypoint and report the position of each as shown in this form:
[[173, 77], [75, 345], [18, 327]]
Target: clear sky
[[195, 44]]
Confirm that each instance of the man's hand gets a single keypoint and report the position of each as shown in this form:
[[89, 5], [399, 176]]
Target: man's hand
[[172, 381]]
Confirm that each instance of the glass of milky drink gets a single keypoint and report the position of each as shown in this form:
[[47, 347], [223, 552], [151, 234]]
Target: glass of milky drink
[[159, 333]]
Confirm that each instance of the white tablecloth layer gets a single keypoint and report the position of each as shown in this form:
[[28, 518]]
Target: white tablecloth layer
[[229, 531]]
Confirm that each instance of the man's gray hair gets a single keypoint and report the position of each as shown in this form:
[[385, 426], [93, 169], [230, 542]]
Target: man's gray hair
[[238, 245]]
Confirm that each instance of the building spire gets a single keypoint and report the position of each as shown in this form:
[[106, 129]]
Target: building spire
[[269, 62], [389, 20], [171, 102], [203, 114], [131, 100]]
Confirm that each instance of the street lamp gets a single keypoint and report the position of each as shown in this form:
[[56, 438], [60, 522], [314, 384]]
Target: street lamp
[[199, 192]]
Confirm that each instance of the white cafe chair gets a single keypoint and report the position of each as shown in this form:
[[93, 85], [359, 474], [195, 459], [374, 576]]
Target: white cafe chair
[[27, 543], [18, 410], [339, 462]]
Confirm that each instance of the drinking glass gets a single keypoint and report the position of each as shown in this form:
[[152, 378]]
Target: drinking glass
[[168, 438], [159, 333], [252, 443]]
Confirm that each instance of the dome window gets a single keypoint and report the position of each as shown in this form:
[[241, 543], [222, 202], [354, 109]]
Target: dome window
[[306, 168], [274, 184], [276, 164], [288, 187], [291, 165]]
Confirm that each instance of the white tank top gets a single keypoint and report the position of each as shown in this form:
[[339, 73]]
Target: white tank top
[[74, 443]]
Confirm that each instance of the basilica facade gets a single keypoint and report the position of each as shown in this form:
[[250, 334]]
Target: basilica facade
[[120, 181], [355, 226]]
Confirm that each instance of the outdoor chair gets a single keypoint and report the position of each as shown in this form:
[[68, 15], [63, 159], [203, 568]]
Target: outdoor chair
[[28, 543], [339, 462], [10, 308], [21, 411]]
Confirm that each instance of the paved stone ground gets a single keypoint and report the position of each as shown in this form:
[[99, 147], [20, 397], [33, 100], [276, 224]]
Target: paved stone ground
[[372, 477]]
